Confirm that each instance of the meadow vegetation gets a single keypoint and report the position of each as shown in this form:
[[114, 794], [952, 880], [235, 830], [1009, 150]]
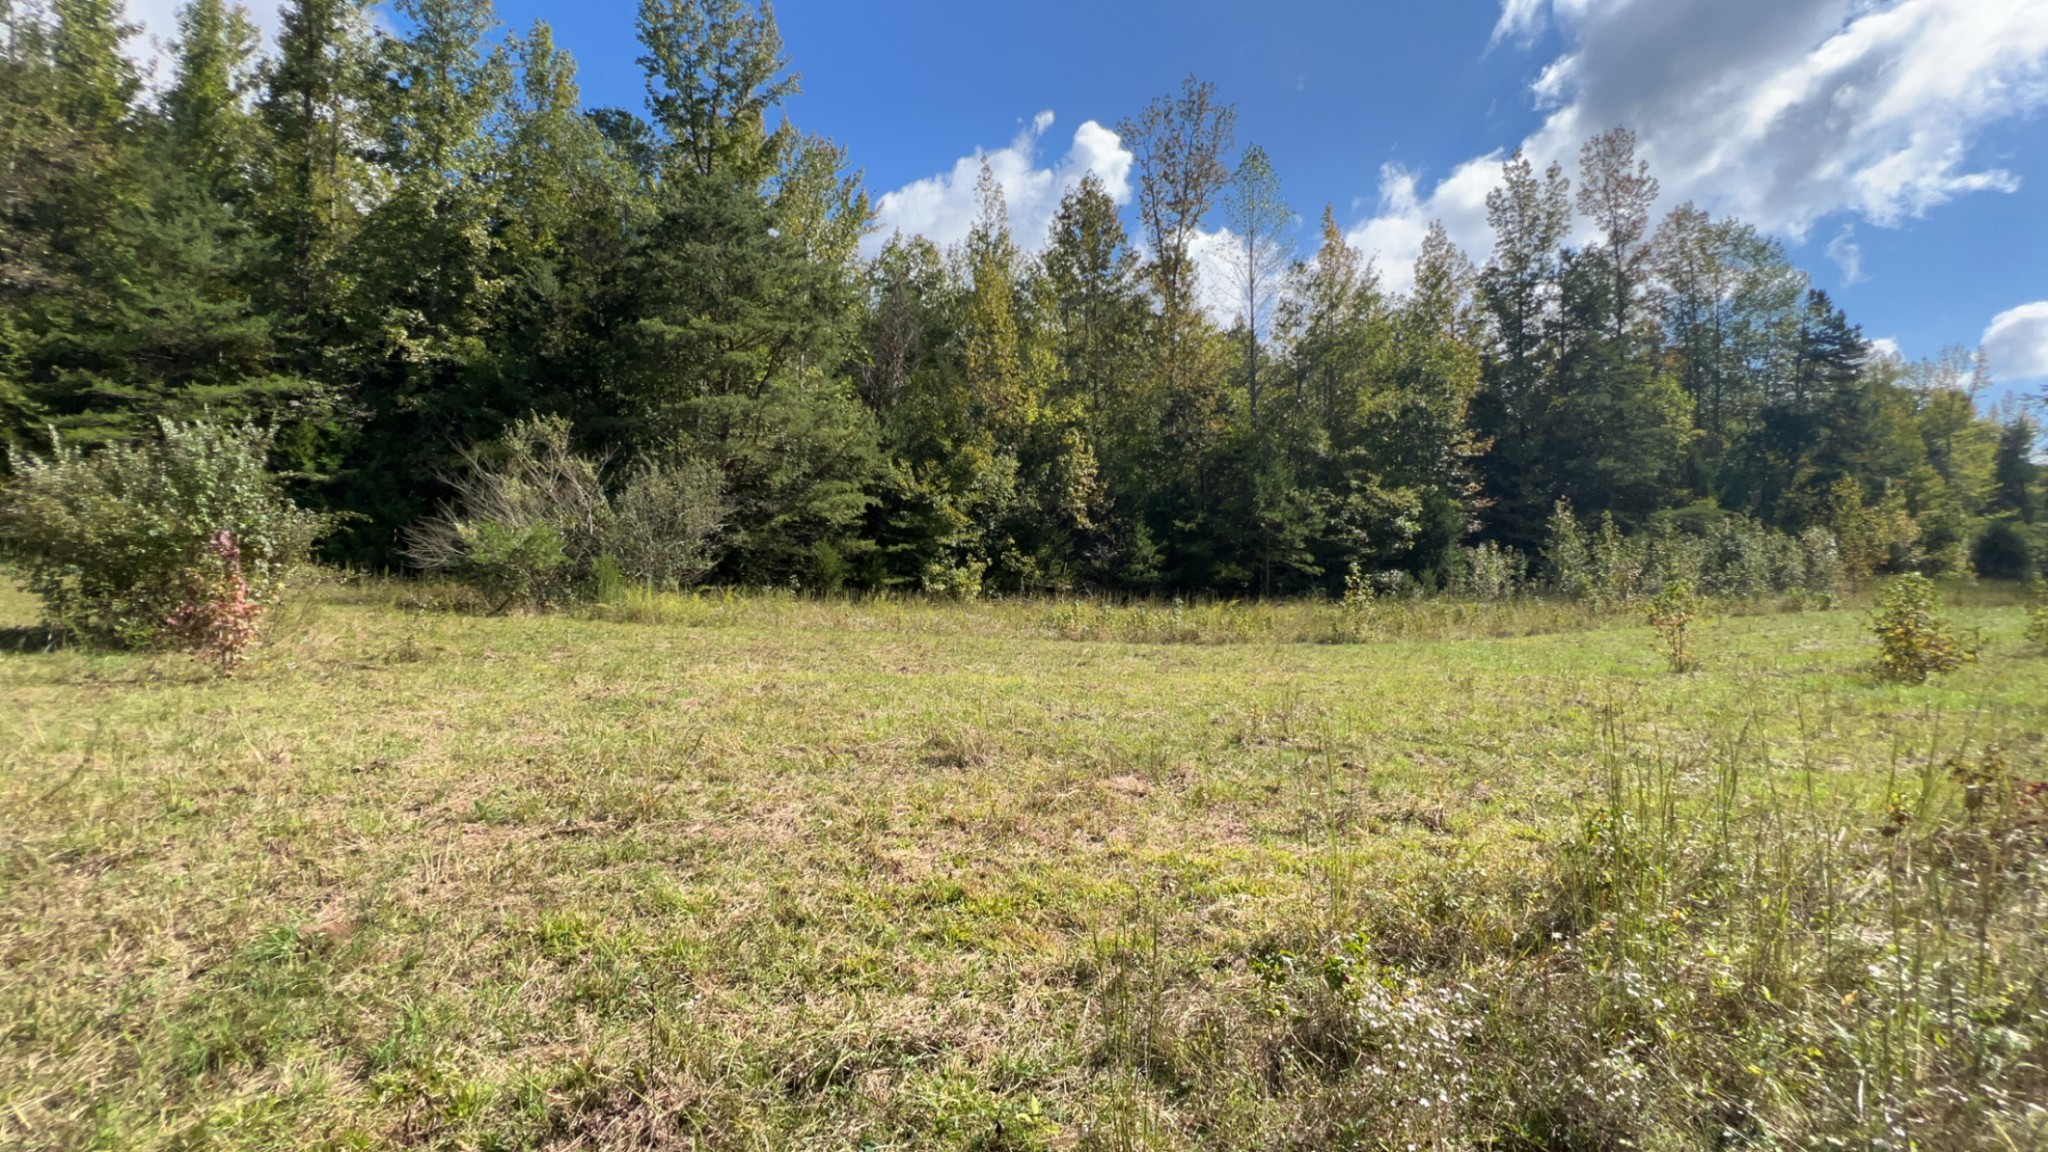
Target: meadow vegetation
[[765, 870]]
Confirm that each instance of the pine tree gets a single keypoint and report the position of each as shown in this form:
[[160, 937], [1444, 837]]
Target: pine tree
[[213, 132], [312, 176], [737, 355], [2015, 474], [1530, 216]]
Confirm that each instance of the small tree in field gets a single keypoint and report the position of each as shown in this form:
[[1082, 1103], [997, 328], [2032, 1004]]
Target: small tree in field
[[2037, 614], [1673, 614], [1914, 641]]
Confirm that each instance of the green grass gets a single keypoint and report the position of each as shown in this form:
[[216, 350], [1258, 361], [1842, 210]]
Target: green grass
[[767, 872]]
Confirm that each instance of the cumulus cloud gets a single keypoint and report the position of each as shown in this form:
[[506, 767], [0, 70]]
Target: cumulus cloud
[[1393, 235], [2017, 343], [1782, 112], [942, 207]]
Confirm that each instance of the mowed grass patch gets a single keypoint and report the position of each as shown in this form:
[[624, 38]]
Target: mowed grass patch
[[772, 872]]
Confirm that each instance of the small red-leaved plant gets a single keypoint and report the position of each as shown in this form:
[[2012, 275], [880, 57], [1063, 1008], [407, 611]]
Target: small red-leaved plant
[[218, 620]]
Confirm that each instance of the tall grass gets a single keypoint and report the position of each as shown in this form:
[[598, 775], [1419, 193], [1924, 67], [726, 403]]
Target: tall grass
[[1735, 947]]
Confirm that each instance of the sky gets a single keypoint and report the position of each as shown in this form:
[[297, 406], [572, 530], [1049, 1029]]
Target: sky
[[1898, 147]]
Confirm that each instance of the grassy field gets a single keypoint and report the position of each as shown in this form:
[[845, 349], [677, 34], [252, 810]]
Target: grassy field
[[762, 872]]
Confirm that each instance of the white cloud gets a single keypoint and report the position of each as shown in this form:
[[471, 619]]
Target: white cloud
[[1782, 112], [942, 207], [1393, 236], [1847, 254], [1217, 262], [1886, 346], [2017, 343], [1519, 20]]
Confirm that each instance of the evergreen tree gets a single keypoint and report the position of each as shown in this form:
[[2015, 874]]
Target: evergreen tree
[[1530, 216], [736, 357], [2015, 473], [312, 177], [207, 110], [1097, 319]]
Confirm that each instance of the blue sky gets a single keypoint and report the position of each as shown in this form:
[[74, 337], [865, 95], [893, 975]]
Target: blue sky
[[1899, 146]]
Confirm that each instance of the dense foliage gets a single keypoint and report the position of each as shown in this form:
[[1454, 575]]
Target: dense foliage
[[133, 542], [391, 244]]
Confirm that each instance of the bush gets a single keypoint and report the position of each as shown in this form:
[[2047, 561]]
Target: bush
[[218, 621], [532, 524], [1914, 642], [1569, 556], [115, 543], [2002, 552], [1731, 557], [1492, 572], [1673, 614], [666, 523]]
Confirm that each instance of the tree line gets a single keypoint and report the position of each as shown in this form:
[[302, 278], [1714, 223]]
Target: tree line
[[395, 249]]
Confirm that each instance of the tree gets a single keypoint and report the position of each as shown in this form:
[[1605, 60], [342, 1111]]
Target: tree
[[312, 176], [736, 357], [715, 71], [1177, 145], [1729, 299], [2014, 472], [995, 374], [1616, 192], [1259, 220], [1091, 275], [1096, 317], [1530, 217], [420, 268], [206, 110], [1429, 443]]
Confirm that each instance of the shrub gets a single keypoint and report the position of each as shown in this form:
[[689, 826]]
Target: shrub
[[665, 524], [117, 543], [1821, 562], [2037, 615], [2002, 552], [1914, 642], [1673, 614], [218, 621], [1568, 555], [532, 524], [1493, 572]]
